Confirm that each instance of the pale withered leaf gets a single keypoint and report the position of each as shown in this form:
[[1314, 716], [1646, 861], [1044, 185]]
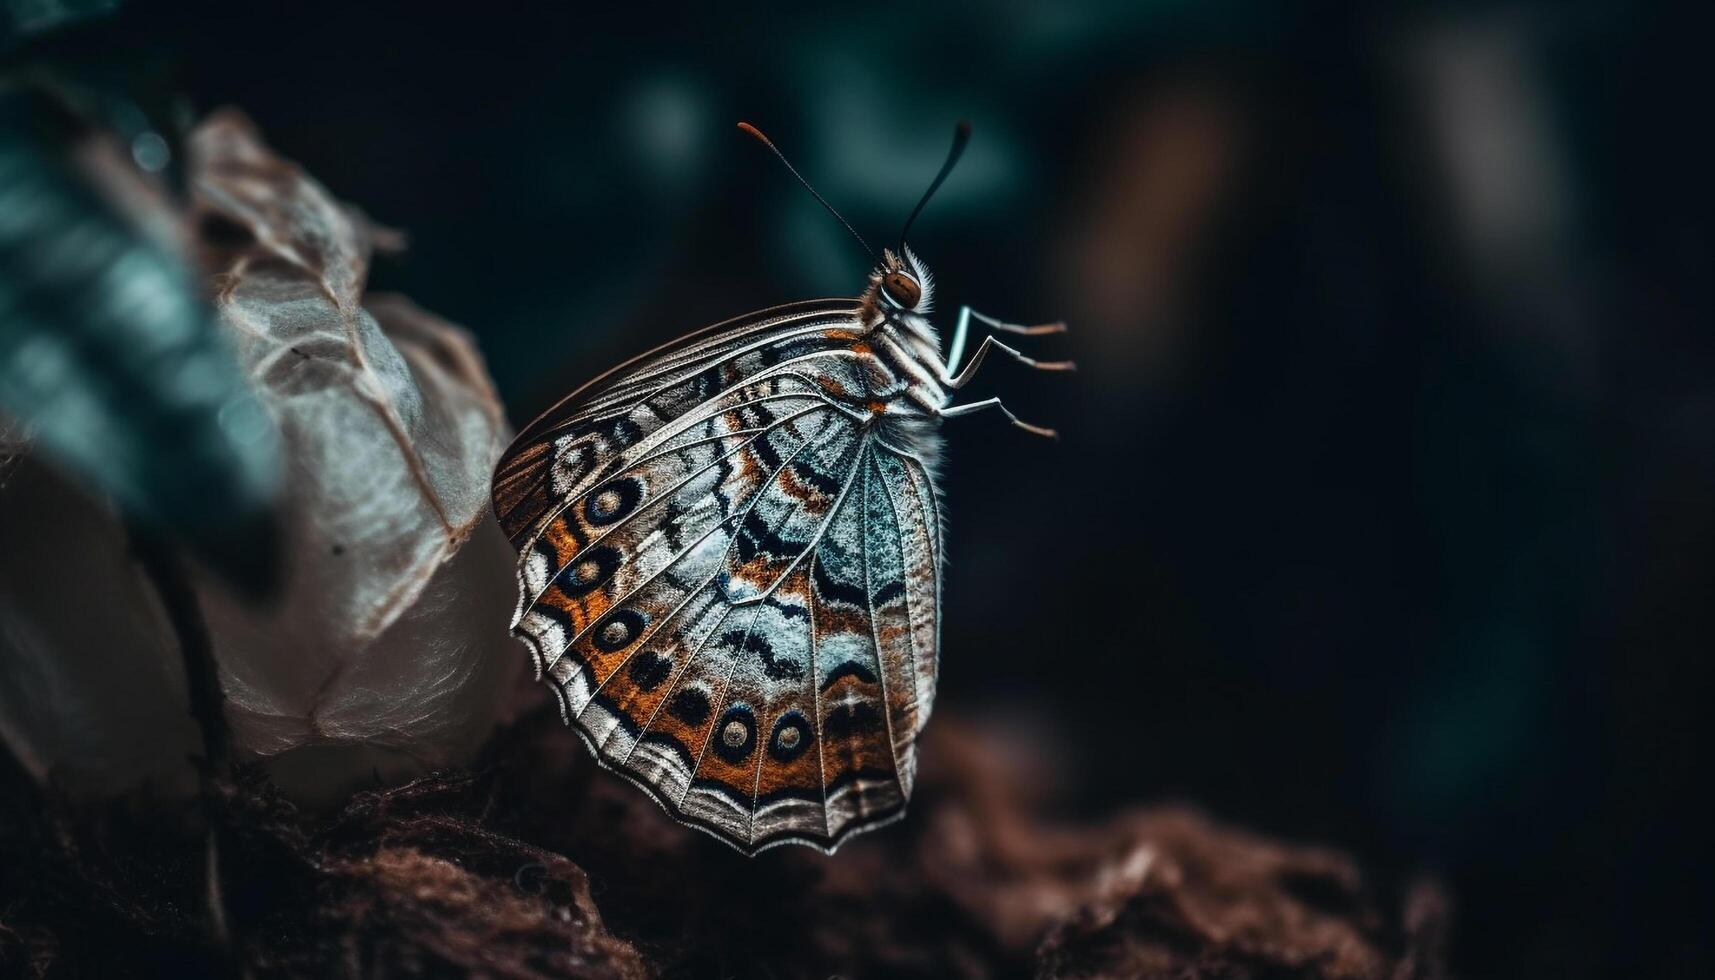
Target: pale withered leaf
[[392, 634]]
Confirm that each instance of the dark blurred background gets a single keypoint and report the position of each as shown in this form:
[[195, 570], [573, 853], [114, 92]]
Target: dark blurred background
[[1385, 509]]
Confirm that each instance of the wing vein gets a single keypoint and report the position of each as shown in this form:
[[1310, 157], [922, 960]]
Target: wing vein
[[816, 697]]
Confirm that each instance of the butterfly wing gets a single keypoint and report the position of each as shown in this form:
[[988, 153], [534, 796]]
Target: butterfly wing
[[565, 449], [731, 583]]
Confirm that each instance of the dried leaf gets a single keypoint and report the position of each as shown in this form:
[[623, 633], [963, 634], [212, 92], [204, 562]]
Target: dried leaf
[[393, 633]]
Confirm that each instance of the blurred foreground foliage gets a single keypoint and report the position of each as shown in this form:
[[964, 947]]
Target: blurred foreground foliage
[[109, 354]]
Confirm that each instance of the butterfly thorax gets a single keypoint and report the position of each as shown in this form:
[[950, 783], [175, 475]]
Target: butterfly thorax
[[902, 350]]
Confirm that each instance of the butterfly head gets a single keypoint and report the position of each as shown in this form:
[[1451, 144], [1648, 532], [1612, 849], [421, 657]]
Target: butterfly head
[[902, 282]]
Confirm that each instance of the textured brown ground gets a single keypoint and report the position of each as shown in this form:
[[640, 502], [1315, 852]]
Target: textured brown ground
[[537, 864]]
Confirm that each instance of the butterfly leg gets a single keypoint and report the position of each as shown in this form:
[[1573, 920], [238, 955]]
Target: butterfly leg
[[969, 371], [954, 411], [966, 315]]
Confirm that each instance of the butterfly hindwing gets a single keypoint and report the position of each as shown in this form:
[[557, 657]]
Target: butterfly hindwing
[[913, 599], [863, 779]]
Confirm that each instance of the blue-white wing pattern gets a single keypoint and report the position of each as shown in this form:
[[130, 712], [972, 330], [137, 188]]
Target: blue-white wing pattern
[[854, 637], [731, 580], [903, 564]]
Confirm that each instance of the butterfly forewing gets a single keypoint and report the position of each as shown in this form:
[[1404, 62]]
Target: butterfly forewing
[[565, 449], [730, 579]]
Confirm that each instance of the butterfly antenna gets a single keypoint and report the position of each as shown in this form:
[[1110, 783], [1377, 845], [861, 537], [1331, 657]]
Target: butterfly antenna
[[961, 136], [752, 130]]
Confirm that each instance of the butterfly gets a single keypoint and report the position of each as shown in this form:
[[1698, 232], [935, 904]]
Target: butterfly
[[730, 554]]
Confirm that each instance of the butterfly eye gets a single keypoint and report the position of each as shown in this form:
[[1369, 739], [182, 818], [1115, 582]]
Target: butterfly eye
[[902, 289]]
